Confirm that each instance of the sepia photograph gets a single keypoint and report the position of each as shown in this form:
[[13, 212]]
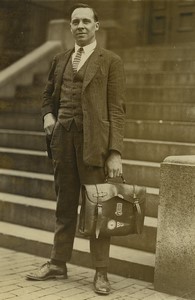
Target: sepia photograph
[[97, 149]]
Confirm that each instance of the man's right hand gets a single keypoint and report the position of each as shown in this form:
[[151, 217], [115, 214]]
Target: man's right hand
[[49, 123]]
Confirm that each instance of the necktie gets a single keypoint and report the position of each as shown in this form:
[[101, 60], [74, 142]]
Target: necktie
[[77, 59]]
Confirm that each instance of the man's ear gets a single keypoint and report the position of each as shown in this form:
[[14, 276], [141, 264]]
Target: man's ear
[[97, 26]]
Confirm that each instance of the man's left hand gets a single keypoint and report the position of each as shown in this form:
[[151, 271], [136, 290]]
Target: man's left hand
[[113, 164]]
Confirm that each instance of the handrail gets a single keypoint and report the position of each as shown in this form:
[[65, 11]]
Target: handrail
[[17, 72]]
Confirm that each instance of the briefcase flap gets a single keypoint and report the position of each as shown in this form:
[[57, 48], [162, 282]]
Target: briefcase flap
[[106, 191]]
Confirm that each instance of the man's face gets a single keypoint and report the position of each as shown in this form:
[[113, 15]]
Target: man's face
[[83, 26]]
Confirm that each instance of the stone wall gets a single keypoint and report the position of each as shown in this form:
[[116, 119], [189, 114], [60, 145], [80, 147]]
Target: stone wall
[[23, 27]]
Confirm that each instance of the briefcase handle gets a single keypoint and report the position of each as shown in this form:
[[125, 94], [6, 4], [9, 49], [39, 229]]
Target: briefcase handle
[[121, 176], [124, 181]]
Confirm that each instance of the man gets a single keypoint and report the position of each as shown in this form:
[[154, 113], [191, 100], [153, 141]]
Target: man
[[83, 112]]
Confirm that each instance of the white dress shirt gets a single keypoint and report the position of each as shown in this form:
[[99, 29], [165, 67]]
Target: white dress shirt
[[87, 51]]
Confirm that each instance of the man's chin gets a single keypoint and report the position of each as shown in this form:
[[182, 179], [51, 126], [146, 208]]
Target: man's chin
[[82, 42]]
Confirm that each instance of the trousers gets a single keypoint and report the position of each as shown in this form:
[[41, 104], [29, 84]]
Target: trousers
[[69, 173]]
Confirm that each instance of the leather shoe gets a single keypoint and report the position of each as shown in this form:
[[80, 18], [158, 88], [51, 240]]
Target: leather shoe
[[101, 283], [48, 271]]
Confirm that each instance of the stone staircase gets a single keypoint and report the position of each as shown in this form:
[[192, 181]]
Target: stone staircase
[[160, 122]]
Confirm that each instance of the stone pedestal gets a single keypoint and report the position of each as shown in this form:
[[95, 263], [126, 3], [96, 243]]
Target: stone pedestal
[[175, 252], [60, 30]]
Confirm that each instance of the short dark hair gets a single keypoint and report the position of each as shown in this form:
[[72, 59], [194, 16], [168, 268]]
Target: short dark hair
[[82, 5]]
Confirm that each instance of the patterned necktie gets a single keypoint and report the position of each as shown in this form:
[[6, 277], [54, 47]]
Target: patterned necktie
[[77, 59]]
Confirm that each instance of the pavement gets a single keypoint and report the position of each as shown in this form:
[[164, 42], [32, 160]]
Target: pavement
[[13, 285]]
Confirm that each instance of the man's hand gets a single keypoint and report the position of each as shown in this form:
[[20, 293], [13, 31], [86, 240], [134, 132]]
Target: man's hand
[[113, 164], [49, 123]]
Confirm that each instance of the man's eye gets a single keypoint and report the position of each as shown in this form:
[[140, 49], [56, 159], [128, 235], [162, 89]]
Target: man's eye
[[75, 22], [86, 21]]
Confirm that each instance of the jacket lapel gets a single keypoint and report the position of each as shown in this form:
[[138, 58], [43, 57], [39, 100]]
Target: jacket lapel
[[60, 72], [92, 67], [62, 66]]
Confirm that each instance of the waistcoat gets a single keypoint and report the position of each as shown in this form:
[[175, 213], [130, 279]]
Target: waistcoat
[[70, 97]]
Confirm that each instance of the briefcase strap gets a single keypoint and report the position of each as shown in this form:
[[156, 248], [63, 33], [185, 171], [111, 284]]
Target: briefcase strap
[[99, 211], [138, 208]]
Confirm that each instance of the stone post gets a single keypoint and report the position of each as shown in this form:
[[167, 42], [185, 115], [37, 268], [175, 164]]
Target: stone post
[[60, 30], [175, 251]]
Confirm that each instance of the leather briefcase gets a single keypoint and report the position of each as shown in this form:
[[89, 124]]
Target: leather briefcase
[[112, 209]]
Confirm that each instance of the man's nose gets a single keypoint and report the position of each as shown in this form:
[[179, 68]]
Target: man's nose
[[80, 25]]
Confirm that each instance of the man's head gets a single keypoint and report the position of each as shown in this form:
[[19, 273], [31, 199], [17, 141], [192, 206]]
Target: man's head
[[83, 23]]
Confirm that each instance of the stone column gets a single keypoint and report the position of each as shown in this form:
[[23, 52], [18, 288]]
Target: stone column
[[60, 30], [175, 251]]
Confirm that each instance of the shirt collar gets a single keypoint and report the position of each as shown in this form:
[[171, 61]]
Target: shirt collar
[[88, 48]]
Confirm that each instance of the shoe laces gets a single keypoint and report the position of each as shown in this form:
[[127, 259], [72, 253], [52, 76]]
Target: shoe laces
[[102, 275], [47, 264]]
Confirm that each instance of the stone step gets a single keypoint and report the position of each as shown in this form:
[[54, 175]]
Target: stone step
[[140, 129], [165, 129], [28, 211], [33, 122], [156, 53], [143, 96], [25, 160], [29, 92], [145, 241], [142, 173], [145, 173], [21, 105], [41, 186], [161, 79], [40, 79], [152, 202], [40, 214], [160, 130], [153, 66], [31, 101], [21, 121], [28, 184], [38, 162], [31, 96], [156, 151], [134, 67], [123, 261], [161, 111], [22, 139], [159, 94], [134, 149]]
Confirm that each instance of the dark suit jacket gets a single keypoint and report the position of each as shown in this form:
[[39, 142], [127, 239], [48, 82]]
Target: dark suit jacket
[[103, 98]]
